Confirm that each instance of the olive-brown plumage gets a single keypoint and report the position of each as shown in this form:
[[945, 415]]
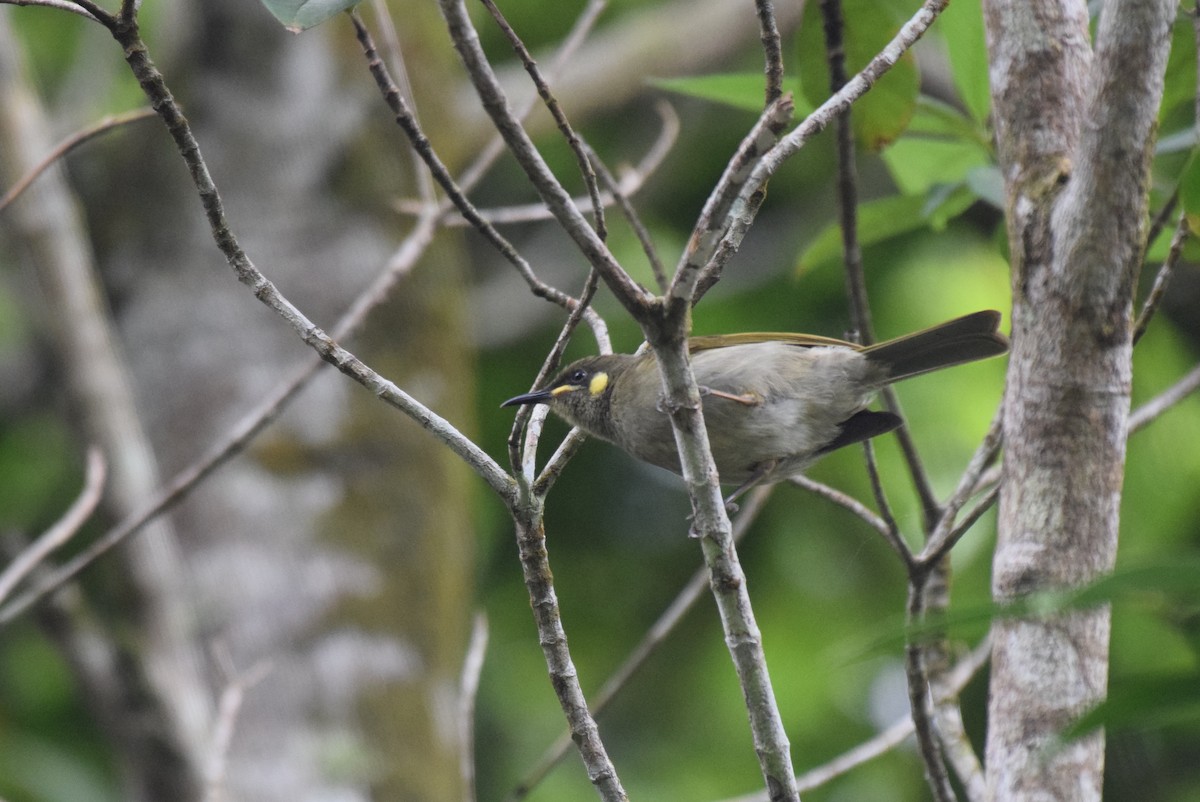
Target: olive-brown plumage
[[773, 403]]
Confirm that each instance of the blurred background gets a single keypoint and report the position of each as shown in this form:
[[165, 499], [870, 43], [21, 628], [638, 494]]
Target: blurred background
[[345, 553]]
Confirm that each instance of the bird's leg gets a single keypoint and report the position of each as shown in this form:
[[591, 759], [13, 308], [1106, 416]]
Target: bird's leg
[[761, 471], [749, 399]]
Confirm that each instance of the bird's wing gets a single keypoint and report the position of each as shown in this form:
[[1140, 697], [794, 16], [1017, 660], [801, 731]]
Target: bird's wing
[[705, 343]]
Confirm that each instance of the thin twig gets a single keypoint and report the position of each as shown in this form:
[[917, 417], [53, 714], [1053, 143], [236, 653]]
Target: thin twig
[[242, 433], [228, 707], [1159, 221], [391, 46], [630, 183], [697, 270], [772, 50], [408, 123], [63, 529], [525, 458], [70, 143], [919, 697], [560, 117], [574, 39], [886, 740], [468, 693], [1147, 412], [1159, 289], [854, 506], [642, 233], [942, 539], [466, 42], [61, 5]]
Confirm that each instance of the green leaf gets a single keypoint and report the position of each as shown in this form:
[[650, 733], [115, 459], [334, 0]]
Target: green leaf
[[1180, 81], [882, 114], [885, 218], [300, 15], [1140, 703], [741, 90], [961, 26], [938, 118], [1189, 192]]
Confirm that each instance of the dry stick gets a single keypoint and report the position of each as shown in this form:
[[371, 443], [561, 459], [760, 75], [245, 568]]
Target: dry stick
[[941, 540], [560, 117], [856, 507], [742, 215], [70, 143], [654, 637], [1159, 221], [919, 696], [63, 529], [772, 50], [1159, 289], [526, 458], [847, 193]]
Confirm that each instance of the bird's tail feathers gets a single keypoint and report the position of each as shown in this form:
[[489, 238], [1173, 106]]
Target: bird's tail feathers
[[965, 339]]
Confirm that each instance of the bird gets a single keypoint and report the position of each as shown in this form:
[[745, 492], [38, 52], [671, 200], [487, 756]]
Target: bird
[[774, 403]]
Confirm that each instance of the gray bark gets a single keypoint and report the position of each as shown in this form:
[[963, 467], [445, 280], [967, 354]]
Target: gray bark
[[1075, 133]]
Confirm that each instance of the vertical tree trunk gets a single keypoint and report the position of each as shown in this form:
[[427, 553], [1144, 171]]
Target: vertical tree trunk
[[1075, 135]]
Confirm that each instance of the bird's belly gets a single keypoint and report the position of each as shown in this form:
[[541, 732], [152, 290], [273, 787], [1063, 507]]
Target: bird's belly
[[782, 435]]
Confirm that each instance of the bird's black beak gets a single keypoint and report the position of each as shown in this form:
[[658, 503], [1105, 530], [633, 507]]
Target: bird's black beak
[[536, 397]]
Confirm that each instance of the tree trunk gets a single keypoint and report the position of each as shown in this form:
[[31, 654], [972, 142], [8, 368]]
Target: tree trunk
[[1075, 133]]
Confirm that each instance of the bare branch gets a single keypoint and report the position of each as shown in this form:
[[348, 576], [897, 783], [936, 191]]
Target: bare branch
[[560, 117], [888, 739], [583, 26], [1147, 412], [468, 692], [228, 707], [890, 534], [919, 699], [629, 184], [408, 123], [70, 143], [466, 42], [1159, 290], [154, 86], [772, 50], [654, 637], [698, 269], [63, 530], [941, 540], [61, 5]]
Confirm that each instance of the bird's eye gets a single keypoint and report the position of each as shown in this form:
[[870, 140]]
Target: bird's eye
[[579, 377]]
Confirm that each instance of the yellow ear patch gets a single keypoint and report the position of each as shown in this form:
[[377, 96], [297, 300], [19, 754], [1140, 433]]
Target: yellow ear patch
[[598, 383]]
